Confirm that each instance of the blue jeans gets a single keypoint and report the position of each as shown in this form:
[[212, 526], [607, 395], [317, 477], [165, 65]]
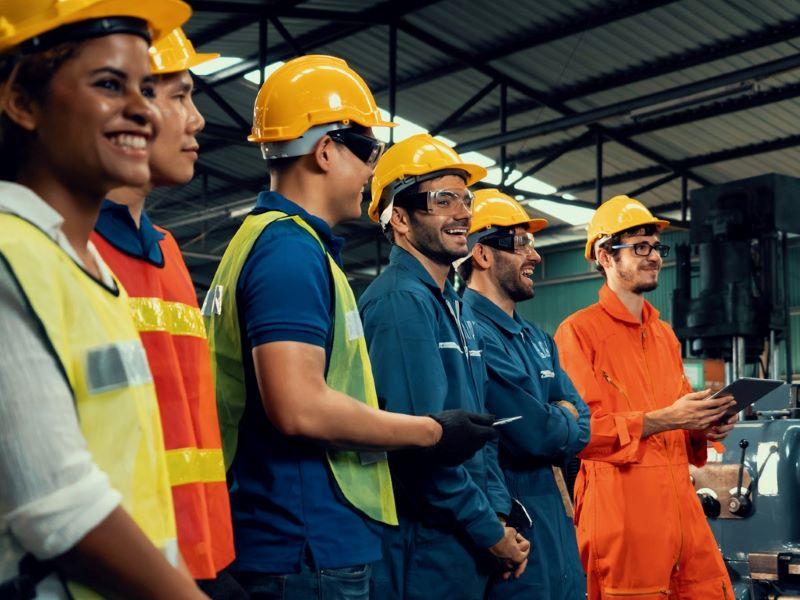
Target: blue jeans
[[347, 583]]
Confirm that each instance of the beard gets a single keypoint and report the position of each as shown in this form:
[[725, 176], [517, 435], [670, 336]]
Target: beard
[[429, 241], [511, 280], [630, 276]]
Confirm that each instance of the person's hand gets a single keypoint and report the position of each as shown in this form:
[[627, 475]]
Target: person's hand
[[717, 433], [697, 411], [512, 550], [570, 407], [463, 434]]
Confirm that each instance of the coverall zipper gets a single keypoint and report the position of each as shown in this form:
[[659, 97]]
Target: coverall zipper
[[663, 443]]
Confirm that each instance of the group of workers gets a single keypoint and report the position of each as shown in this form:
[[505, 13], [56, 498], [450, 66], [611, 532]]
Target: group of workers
[[286, 441]]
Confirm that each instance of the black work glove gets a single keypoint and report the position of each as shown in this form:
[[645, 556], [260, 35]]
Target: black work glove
[[463, 434]]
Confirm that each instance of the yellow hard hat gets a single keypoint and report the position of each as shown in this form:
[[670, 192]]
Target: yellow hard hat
[[175, 53], [615, 215], [309, 91], [492, 208], [23, 20], [416, 156]]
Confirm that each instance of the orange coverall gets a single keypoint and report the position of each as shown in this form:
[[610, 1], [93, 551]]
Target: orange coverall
[[641, 531]]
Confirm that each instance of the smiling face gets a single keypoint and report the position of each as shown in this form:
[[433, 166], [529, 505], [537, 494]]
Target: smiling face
[[175, 150], [442, 238], [514, 272], [349, 177], [627, 271], [93, 126]]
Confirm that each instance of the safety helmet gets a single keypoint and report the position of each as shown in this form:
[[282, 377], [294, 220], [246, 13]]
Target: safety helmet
[[492, 208], [24, 20], [309, 91], [615, 215], [409, 162], [175, 53]]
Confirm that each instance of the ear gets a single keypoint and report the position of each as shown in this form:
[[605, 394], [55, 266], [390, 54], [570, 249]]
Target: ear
[[323, 153], [20, 108], [399, 221], [603, 258], [482, 256]]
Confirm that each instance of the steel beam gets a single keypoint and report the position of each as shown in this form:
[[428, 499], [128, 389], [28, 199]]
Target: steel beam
[[684, 198], [503, 129], [392, 77], [216, 98], [287, 37], [690, 163], [557, 153], [618, 108], [690, 115], [384, 12], [654, 184], [598, 178], [671, 63], [603, 14], [464, 108], [292, 12]]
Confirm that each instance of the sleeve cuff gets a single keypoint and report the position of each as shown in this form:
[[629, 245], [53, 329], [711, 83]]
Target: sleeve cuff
[[49, 526], [287, 335], [486, 532]]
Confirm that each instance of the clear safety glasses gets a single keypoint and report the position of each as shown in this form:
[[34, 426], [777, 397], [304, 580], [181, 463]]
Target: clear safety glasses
[[645, 248], [518, 244], [365, 148], [438, 202]]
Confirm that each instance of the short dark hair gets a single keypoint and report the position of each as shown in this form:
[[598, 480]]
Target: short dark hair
[[281, 165], [618, 238]]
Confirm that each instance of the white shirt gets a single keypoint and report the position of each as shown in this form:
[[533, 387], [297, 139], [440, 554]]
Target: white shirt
[[51, 492]]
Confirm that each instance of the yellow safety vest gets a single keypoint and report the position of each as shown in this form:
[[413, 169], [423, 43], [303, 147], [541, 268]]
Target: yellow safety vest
[[93, 338], [365, 482]]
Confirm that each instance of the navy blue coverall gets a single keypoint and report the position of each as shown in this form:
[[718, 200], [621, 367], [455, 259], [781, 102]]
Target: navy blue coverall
[[426, 357], [525, 378]]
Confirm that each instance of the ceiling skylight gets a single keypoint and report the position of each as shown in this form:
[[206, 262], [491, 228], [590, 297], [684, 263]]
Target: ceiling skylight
[[217, 64], [254, 76]]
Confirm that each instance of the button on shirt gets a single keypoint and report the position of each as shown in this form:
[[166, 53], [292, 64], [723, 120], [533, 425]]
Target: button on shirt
[[117, 226], [283, 498], [426, 357]]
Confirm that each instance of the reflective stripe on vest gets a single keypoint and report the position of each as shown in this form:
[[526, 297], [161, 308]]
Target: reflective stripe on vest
[[94, 340], [368, 487], [176, 318], [164, 309]]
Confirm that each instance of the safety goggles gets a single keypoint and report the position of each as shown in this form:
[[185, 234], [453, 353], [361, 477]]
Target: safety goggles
[[365, 148], [645, 248], [518, 244], [438, 202]]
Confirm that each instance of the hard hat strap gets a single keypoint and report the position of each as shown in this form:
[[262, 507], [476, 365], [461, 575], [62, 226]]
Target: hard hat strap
[[300, 146], [84, 30]]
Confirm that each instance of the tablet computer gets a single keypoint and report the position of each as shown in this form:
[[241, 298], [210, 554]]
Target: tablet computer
[[746, 391]]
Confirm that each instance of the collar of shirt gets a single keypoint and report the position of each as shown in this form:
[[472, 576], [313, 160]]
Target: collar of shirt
[[482, 305], [405, 261], [274, 201], [614, 307], [117, 226], [23, 202]]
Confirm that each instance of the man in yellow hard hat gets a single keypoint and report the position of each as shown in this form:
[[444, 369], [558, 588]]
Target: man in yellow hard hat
[[149, 263], [526, 380], [302, 433], [647, 426], [427, 357]]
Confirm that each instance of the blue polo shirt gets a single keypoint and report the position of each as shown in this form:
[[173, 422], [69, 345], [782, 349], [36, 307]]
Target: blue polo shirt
[[426, 357], [117, 226], [284, 501]]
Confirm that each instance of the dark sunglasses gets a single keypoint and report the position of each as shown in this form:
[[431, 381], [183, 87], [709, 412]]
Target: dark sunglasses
[[365, 148]]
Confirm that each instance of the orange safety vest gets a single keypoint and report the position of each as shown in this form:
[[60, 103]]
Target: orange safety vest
[[641, 531], [165, 311]]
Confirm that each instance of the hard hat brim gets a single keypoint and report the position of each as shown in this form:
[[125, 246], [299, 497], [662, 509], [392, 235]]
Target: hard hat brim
[[185, 65], [162, 16]]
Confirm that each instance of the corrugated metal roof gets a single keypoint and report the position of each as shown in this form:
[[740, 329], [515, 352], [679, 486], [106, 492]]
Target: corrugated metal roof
[[476, 28]]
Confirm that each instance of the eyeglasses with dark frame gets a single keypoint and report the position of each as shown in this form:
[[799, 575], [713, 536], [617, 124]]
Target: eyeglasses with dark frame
[[645, 248]]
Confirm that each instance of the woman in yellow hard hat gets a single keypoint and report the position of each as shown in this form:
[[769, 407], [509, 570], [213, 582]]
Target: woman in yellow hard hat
[[84, 495]]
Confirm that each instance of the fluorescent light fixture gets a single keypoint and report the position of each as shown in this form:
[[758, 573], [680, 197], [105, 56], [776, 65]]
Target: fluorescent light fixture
[[240, 212], [216, 64], [255, 77], [574, 215]]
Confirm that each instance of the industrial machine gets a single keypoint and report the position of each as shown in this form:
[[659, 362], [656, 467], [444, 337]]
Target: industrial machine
[[739, 316]]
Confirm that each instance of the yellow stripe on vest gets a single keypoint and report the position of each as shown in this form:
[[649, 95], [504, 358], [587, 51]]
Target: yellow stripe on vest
[[155, 314], [193, 465]]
